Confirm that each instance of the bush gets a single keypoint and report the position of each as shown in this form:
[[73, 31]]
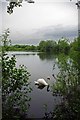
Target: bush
[[15, 87]]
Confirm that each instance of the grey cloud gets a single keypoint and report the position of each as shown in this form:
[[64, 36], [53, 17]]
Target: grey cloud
[[51, 32]]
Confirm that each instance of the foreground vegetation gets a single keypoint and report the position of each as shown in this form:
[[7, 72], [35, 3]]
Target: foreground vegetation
[[15, 85], [67, 85]]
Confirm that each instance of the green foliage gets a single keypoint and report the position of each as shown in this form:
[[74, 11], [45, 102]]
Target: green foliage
[[74, 45], [75, 50], [63, 46], [5, 40], [47, 46], [67, 78], [22, 48], [68, 86], [51, 46], [15, 87]]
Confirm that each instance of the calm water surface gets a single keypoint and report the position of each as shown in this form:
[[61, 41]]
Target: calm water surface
[[39, 66]]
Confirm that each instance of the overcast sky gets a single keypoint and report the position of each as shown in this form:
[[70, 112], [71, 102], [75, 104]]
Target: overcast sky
[[33, 19]]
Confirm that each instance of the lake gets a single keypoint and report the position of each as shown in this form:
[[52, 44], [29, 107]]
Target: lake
[[39, 65]]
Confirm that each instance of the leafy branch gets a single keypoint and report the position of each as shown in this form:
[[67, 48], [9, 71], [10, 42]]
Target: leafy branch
[[13, 4]]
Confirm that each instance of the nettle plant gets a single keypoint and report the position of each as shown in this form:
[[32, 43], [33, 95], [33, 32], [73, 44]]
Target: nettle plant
[[15, 87]]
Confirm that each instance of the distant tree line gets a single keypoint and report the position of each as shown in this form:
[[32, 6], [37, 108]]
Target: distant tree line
[[21, 48], [48, 46]]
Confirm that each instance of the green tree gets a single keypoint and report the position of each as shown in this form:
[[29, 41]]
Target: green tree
[[41, 46], [74, 45], [67, 85], [63, 46], [5, 40], [15, 87], [50, 46], [47, 46]]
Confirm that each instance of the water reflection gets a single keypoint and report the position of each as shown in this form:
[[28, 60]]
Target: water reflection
[[46, 56], [40, 86], [43, 86], [39, 65], [21, 53]]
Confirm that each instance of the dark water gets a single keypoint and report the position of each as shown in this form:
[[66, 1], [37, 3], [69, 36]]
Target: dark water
[[39, 66]]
